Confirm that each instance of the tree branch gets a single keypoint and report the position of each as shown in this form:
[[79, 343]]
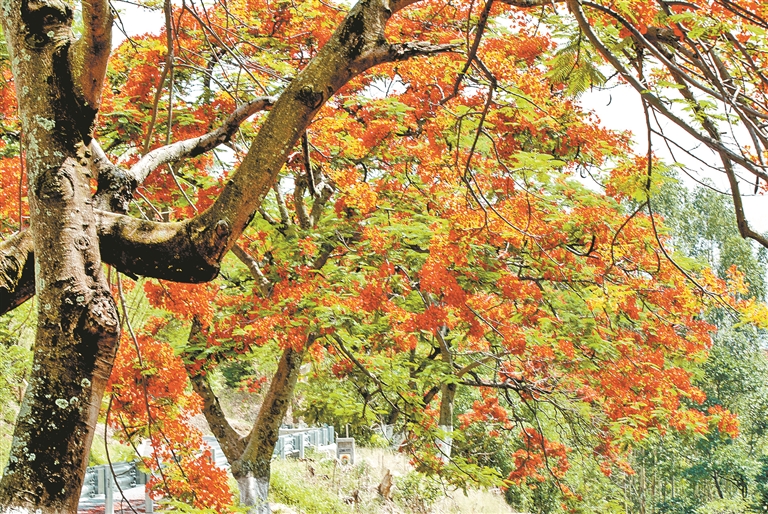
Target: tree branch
[[191, 251], [17, 271], [404, 51], [232, 443], [198, 145], [530, 3], [302, 184], [265, 286], [357, 44], [117, 185], [170, 251], [89, 55], [738, 207], [655, 101]]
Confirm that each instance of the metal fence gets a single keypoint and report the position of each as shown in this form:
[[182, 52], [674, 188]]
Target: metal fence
[[100, 483], [106, 481], [293, 441]]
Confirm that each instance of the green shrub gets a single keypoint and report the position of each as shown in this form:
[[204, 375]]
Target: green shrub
[[727, 506], [416, 492], [675, 506], [290, 486]]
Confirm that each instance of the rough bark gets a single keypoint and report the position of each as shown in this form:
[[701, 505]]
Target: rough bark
[[78, 327], [59, 81], [252, 469]]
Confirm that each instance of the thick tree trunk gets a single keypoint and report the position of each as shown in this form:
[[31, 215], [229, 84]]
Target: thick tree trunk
[[445, 421], [74, 349], [77, 331], [254, 492], [447, 395], [252, 470]]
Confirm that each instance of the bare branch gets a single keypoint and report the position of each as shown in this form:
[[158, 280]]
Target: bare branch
[[285, 216], [199, 145], [167, 69], [265, 286], [482, 23], [326, 191], [302, 183], [116, 185]]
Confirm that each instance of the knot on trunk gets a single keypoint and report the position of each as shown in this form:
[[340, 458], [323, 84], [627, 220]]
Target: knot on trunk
[[57, 183], [115, 189], [100, 317], [309, 97]]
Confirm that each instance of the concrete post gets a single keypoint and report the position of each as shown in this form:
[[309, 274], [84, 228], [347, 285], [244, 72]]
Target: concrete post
[[109, 500], [149, 505]]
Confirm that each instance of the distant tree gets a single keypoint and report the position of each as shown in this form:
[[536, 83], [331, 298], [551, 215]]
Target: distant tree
[[683, 472]]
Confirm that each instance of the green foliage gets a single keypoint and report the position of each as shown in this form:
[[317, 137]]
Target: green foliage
[[289, 485], [336, 404], [15, 364], [726, 506], [576, 64], [117, 452], [676, 506], [234, 372], [762, 484], [166, 504], [417, 492], [704, 228]]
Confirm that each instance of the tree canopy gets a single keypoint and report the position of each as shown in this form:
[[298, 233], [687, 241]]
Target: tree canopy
[[415, 204]]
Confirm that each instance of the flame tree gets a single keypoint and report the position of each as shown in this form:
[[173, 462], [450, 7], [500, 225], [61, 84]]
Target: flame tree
[[426, 148]]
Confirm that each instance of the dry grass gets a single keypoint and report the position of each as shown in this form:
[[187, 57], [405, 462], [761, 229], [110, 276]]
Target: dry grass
[[363, 478], [378, 461], [475, 502]]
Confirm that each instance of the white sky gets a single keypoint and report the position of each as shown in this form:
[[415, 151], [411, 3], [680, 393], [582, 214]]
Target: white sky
[[620, 109], [136, 21]]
